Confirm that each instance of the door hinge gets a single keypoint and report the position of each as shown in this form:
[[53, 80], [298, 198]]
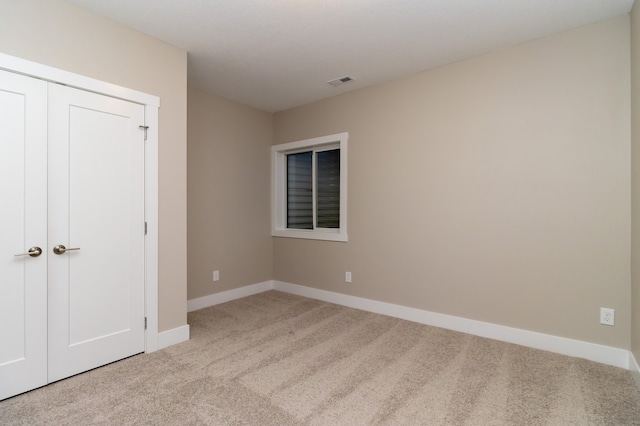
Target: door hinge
[[145, 228], [145, 323], [145, 128]]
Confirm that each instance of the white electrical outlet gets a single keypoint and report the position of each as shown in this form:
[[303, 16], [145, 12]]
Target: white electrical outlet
[[216, 275], [347, 277], [607, 316]]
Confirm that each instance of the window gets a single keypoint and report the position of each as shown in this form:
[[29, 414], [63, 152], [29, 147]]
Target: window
[[309, 193]]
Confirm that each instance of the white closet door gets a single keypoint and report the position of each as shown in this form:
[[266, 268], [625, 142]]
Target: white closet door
[[96, 205], [23, 221]]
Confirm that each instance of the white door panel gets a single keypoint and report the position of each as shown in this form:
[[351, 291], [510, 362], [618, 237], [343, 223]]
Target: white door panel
[[96, 204], [23, 221]]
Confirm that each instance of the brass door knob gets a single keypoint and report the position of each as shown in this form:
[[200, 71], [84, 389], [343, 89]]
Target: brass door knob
[[60, 249], [33, 252]]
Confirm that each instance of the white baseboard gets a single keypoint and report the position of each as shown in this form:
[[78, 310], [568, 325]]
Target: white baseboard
[[633, 363], [635, 369], [173, 336], [561, 345], [591, 351], [227, 296]]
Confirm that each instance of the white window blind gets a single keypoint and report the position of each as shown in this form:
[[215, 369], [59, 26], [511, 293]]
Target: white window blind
[[300, 190]]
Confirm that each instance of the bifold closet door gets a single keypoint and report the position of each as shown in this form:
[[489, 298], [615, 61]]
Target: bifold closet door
[[96, 212], [23, 226]]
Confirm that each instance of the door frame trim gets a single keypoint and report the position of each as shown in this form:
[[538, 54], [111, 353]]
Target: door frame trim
[[151, 104]]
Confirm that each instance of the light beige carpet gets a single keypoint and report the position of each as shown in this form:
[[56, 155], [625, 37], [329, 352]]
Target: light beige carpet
[[279, 359]]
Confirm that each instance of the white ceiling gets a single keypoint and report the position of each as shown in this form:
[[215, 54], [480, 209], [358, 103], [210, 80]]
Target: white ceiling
[[277, 54]]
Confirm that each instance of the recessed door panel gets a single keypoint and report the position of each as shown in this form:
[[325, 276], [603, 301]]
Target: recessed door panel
[[99, 224]]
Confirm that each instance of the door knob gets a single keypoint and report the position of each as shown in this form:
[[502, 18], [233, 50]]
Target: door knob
[[33, 252], [60, 249]]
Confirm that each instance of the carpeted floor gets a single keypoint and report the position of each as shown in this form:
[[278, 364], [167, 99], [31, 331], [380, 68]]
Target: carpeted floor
[[279, 359]]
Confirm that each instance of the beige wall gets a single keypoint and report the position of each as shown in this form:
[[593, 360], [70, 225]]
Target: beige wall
[[635, 181], [496, 188], [229, 204], [61, 35]]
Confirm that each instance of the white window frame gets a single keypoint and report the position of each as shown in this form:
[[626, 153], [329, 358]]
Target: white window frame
[[279, 187]]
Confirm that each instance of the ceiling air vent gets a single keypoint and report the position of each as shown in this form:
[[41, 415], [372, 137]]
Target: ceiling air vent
[[340, 81]]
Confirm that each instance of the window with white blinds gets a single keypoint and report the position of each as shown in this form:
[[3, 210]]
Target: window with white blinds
[[309, 188], [328, 189], [300, 190]]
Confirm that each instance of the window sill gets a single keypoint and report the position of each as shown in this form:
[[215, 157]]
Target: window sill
[[310, 235]]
